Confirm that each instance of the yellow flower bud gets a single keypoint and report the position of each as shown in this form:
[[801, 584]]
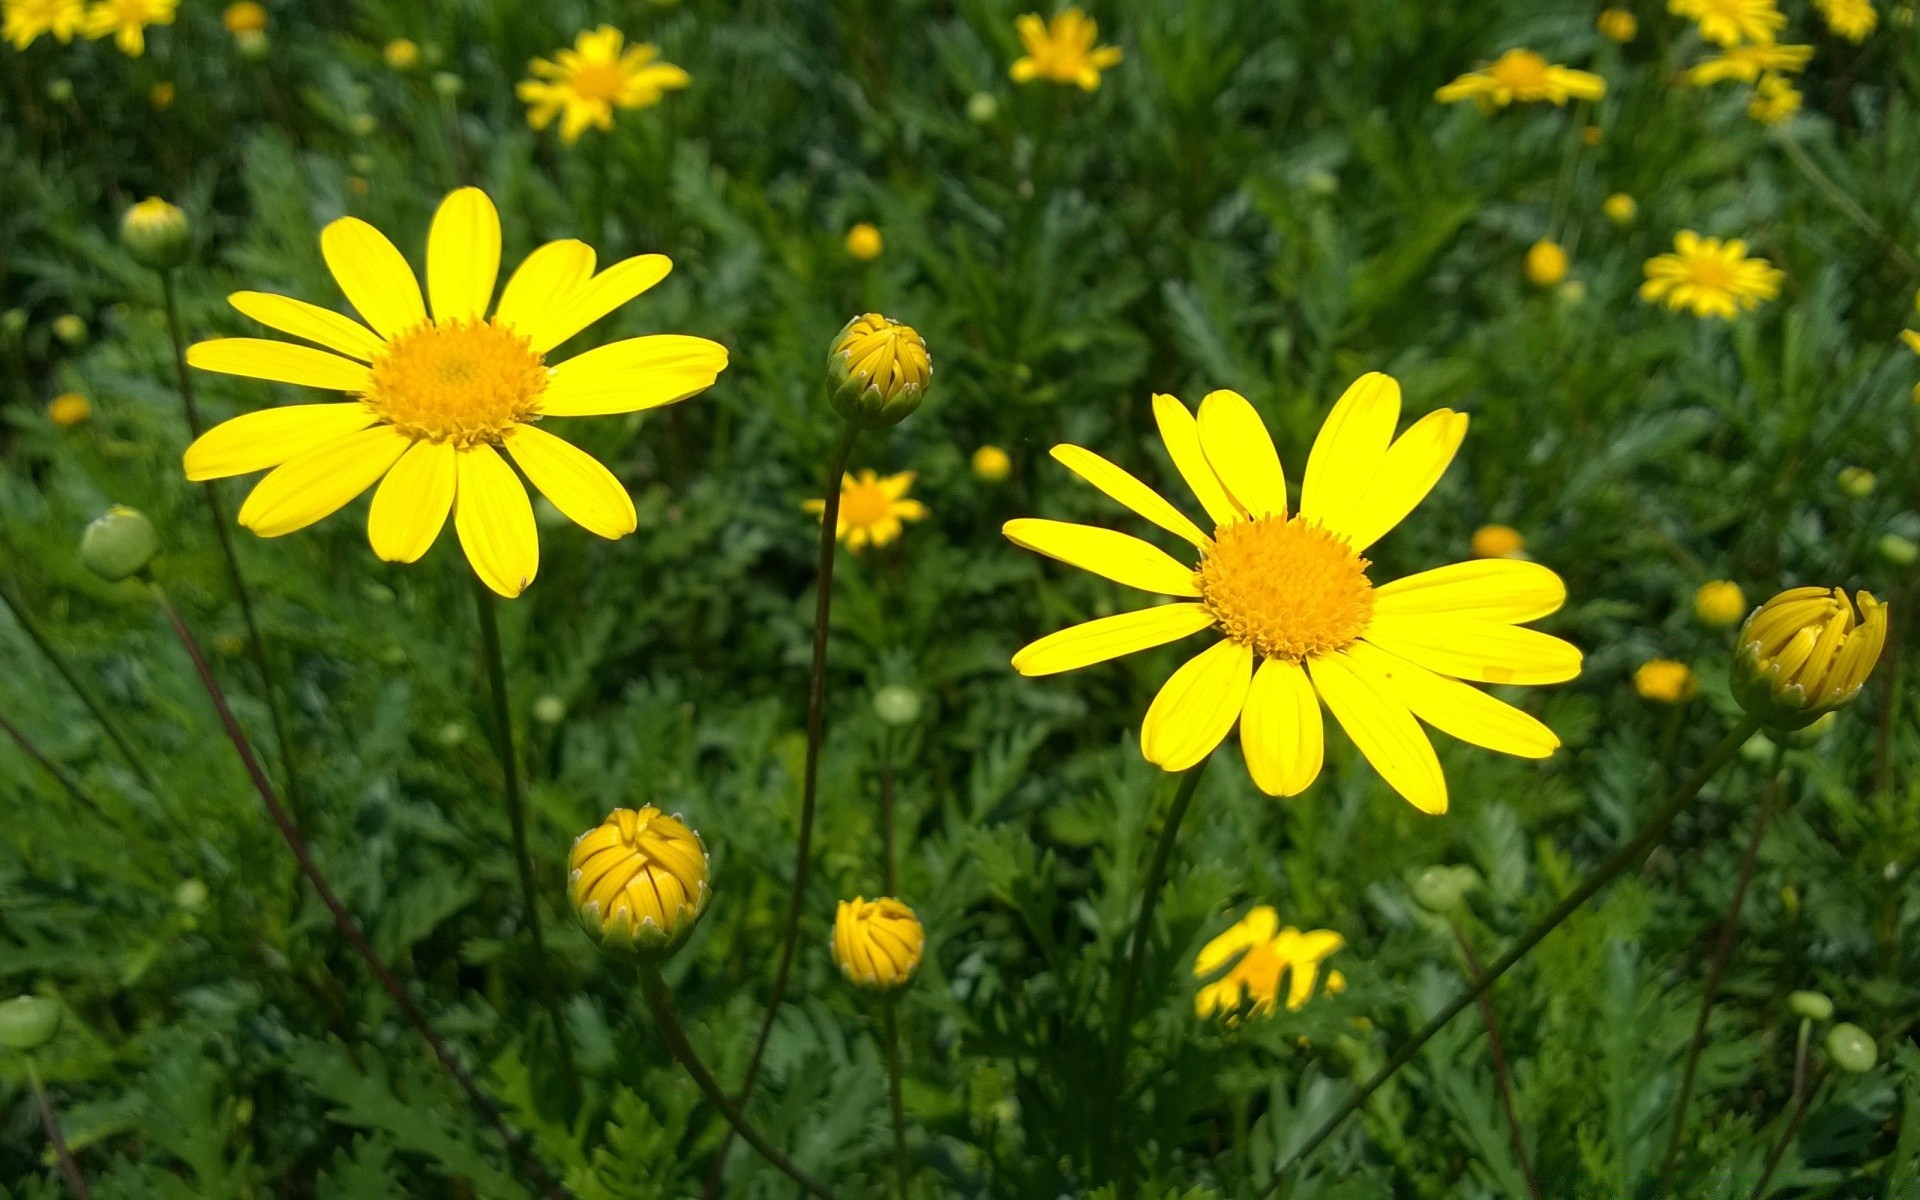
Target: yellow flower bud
[[639, 879], [877, 371], [877, 942], [1546, 263], [991, 464], [156, 234], [1806, 652], [1620, 208], [1617, 24], [401, 54], [1666, 681], [69, 409], [864, 242], [1719, 603], [244, 17], [161, 95], [1498, 541]]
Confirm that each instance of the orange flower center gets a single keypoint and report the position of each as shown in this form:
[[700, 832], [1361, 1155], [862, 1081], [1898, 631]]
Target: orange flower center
[[598, 80], [1287, 588], [464, 382], [1710, 272], [863, 505], [1522, 72]]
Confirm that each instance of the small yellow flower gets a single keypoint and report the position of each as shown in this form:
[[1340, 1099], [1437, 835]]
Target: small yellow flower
[[1805, 653], [401, 54], [1719, 603], [127, 21], [1730, 22], [1062, 51], [69, 409], [638, 879], [1912, 340], [161, 95], [1498, 541], [26, 20], [583, 86], [1851, 19], [1709, 277], [1261, 956], [878, 371], [1522, 75], [864, 242], [1745, 64], [1666, 681], [991, 464], [1617, 24], [1774, 100], [244, 17], [1620, 208], [1546, 263], [877, 943], [872, 508]]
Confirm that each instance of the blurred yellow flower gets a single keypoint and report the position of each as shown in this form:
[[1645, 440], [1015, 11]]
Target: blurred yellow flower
[[639, 878], [401, 54], [1546, 263], [1620, 208], [1774, 100], [1666, 681], [1289, 597], [1709, 277], [872, 508], [1747, 63], [1062, 51], [127, 21], [1498, 541], [160, 95], [864, 242], [1851, 19], [244, 17], [583, 86], [25, 20], [1730, 22], [877, 943], [991, 464], [435, 398], [69, 409], [1719, 603], [1522, 75], [1261, 955], [1617, 24], [1803, 654], [1912, 340]]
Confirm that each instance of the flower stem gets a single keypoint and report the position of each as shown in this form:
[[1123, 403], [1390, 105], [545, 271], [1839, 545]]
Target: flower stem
[[892, 1031], [60, 776], [76, 1182], [349, 928], [1628, 855], [1848, 206], [1497, 1050], [660, 1002], [517, 820], [60, 664], [889, 871], [1798, 1112]]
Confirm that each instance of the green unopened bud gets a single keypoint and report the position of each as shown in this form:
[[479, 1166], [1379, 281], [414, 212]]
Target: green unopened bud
[[28, 1023], [1813, 1006], [156, 233], [1857, 482], [70, 328], [877, 371], [1851, 1049], [13, 322], [447, 84], [1899, 551], [191, 895], [982, 107], [549, 710], [1443, 889], [60, 91], [897, 704], [119, 542]]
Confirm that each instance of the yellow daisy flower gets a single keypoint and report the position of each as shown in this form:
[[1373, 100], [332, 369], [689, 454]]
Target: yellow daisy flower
[[1730, 22], [583, 86], [1261, 954], [1709, 277], [871, 509], [1774, 100], [1747, 63], [1851, 19], [436, 397], [25, 20], [1290, 596], [1522, 75], [245, 16], [127, 21], [1062, 51]]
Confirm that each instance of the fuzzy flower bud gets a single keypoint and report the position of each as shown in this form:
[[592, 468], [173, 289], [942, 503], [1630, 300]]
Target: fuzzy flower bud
[[1719, 603], [1498, 541], [877, 942], [118, 543], [877, 371], [639, 879], [1851, 1048], [1546, 263], [1805, 653], [1812, 1005], [1620, 208], [28, 1023], [1666, 681], [864, 242], [156, 234], [991, 464]]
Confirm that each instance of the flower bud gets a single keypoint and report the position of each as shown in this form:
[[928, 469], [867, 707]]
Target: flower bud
[[69, 409], [1805, 653], [897, 704], [1899, 551], [447, 84], [549, 710], [191, 895], [639, 880], [877, 371], [118, 543], [1546, 263], [1443, 889], [982, 107], [13, 322], [991, 464], [60, 90], [70, 328], [401, 54], [1498, 541], [156, 234], [161, 95], [1719, 603], [1617, 24], [1666, 681], [1620, 208], [1851, 1049], [28, 1023], [877, 942], [1856, 482], [244, 16], [1813, 1006], [864, 242]]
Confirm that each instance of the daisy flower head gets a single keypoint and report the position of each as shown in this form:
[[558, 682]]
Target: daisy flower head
[[1062, 50], [1775, 99], [1851, 19], [1299, 622], [582, 86], [23, 21], [1746, 64], [1522, 76], [1709, 277], [1259, 958], [872, 509], [435, 398], [127, 21], [1730, 22]]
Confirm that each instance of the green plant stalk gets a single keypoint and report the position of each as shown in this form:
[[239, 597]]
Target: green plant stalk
[[889, 869], [256, 643], [349, 928], [1630, 853], [76, 1182], [660, 1003], [60, 776], [60, 664], [1797, 1112], [503, 747], [1848, 206], [1497, 1051], [891, 1023]]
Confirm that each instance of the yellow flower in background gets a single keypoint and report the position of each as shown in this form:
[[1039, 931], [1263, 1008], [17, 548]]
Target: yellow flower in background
[[583, 86], [244, 17], [435, 398], [1730, 22], [1666, 681], [25, 20], [1804, 653], [1709, 277], [1261, 955], [1617, 24], [1298, 619], [1546, 263], [864, 242], [871, 508], [160, 95], [1620, 208], [877, 943], [1747, 63], [127, 21], [1851, 19], [1774, 100], [1062, 51], [1911, 339], [1523, 76], [401, 54], [1719, 603], [991, 464], [69, 409], [638, 879], [1498, 541]]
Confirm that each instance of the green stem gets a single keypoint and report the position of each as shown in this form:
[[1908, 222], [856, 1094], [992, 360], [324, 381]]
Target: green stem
[[889, 871], [1848, 206], [1797, 1112], [660, 1002], [60, 776], [1629, 854], [1497, 1051], [894, 1100], [60, 664], [76, 1182]]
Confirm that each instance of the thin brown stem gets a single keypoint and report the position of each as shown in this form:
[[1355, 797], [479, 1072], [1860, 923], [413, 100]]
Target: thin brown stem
[[76, 1182], [1497, 1050], [1802, 1093]]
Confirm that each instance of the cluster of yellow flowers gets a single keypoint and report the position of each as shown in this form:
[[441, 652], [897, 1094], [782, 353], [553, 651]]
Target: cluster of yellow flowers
[[26, 21]]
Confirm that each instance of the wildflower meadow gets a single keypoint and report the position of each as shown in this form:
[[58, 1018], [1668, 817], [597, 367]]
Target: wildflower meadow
[[630, 599]]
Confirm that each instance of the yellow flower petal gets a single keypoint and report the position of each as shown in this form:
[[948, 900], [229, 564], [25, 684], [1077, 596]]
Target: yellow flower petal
[[257, 440], [1348, 452], [594, 299], [631, 375], [574, 480], [309, 321], [494, 519], [1241, 453], [1110, 637], [1280, 731], [1382, 728], [1412, 466], [317, 483], [1483, 651], [1197, 706], [1452, 707], [463, 255], [373, 275], [280, 362], [1181, 433], [1507, 590], [1122, 486], [1117, 556], [543, 280], [412, 502]]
